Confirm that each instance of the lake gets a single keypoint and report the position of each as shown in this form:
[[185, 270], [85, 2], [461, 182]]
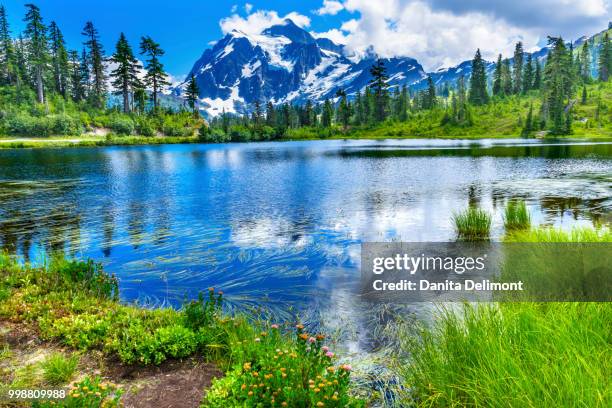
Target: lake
[[279, 224]]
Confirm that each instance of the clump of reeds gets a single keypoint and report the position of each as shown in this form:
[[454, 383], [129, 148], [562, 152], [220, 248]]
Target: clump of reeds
[[472, 224], [516, 216]]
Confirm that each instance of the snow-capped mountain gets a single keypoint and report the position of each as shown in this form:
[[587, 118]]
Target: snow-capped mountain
[[283, 64]]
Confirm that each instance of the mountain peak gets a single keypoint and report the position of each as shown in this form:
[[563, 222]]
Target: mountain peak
[[290, 30]]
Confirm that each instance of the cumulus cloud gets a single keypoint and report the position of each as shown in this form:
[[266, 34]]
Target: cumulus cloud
[[330, 7], [443, 32], [256, 22], [248, 7], [337, 36]]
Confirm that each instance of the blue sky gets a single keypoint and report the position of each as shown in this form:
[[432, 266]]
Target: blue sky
[[436, 32]]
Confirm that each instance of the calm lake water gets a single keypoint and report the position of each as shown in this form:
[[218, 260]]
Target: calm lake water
[[280, 224]]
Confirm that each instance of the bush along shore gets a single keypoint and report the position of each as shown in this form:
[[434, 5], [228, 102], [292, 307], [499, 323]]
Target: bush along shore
[[75, 304]]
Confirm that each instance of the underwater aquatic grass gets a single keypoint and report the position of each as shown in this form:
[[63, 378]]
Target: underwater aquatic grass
[[516, 216], [472, 224]]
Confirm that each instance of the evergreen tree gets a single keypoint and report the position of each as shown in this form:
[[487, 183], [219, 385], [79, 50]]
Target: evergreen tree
[[605, 58], [537, 76], [270, 115], [192, 94], [367, 106], [38, 57], [584, 95], [380, 89], [76, 86], [403, 106], [21, 63], [84, 74], [528, 74], [360, 116], [95, 58], [518, 68], [497, 77], [478, 82], [557, 86], [326, 118], [125, 76], [344, 109], [7, 53], [528, 122], [140, 100], [156, 77], [59, 59], [585, 63], [506, 77], [429, 97]]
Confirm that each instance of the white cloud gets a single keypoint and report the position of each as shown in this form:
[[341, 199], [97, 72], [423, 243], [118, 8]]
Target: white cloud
[[334, 34], [248, 7], [256, 22], [330, 7], [435, 38], [234, 8]]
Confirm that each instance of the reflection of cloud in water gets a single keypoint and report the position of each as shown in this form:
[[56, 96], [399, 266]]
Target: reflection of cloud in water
[[268, 233]]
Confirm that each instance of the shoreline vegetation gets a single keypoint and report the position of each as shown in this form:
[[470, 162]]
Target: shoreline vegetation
[[467, 356], [48, 91]]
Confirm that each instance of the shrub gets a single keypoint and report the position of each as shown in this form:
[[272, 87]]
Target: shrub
[[276, 372], [473, 224], [214, 135], [65, 125], [239, 133], [58, 370], [122, 125], [89, 275], [203, 312], [89, 392], [145, 127], [516, 216]]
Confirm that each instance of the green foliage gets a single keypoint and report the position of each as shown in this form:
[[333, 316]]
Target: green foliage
[[88, 393], [58, 369], [122, 125], [516, 216], [472, 358], [295, 369], [472, 224]]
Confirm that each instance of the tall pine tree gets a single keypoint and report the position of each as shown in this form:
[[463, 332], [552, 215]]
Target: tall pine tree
[[7, 53], [59, 59], [478, 81], [125, 75], [518, 68], [528, 74], [36, 34], [585, 63], [605, 59], [380, 89], [156, 77], [95, 58], [497, 77], [192, 94]]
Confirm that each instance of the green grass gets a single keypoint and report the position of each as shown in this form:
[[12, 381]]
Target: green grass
[[472, 224], [524, 354], [59, 369], [514, 355], [75, 304], [516, 216]]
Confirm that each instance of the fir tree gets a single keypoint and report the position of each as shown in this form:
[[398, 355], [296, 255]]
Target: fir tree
[[506, 77], [605, 58], [360, 116], [156, 77], [85, 77], [429, 96], [125, 76], [557, 86], [528, 122], [36, 33], [59, 59], [270, 115], [95, 59], [478, 81], [518, 68], [140, 100], [76, 87], [380, 89], [7, 53], [537, 76], [403, 106], [344, 109], [585, 63], [497, 77], [192, 94], [326, 116], [584, 95], [528, 74], [308, 113]]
